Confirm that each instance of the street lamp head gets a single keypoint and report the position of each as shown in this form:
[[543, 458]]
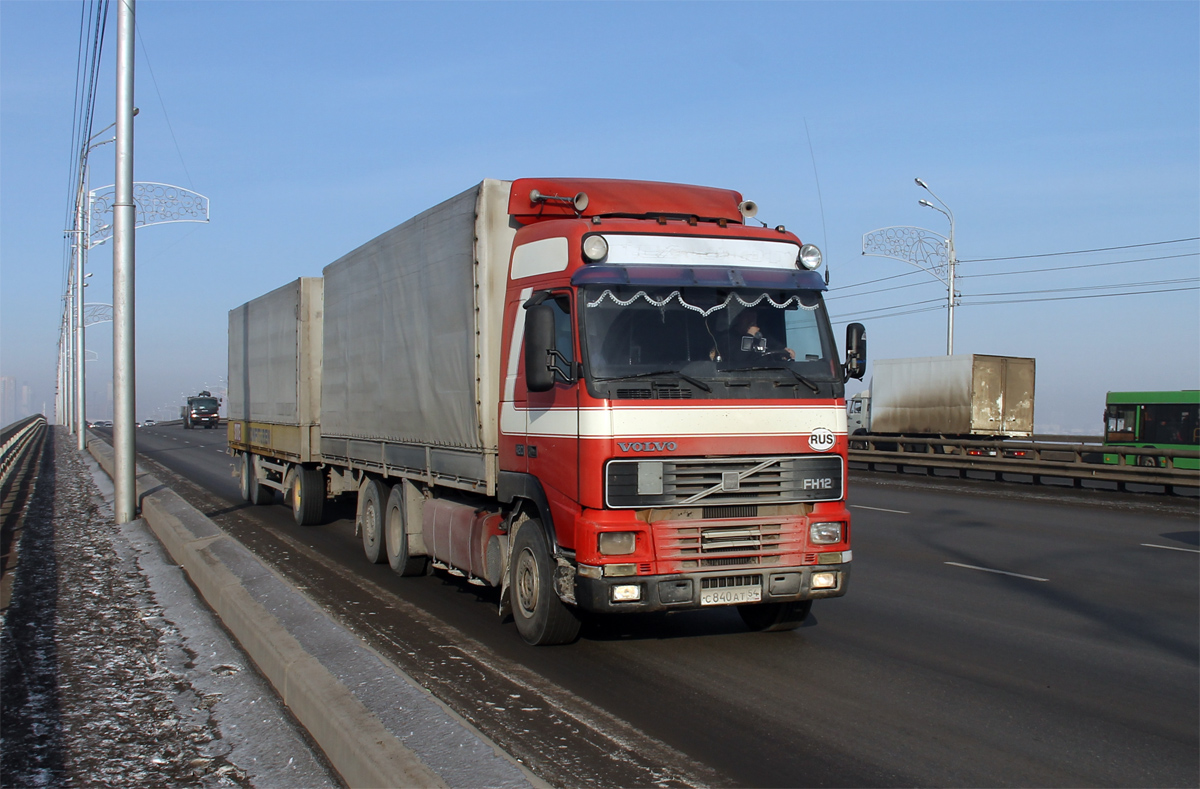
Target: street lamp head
[[926, 203], [921, 183]]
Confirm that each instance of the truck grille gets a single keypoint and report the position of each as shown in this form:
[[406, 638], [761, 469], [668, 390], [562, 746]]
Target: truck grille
[[722, 482], [726, 546]]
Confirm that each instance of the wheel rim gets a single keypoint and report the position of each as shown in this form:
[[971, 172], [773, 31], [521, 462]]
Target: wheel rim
[[527, 583], [296, 503], [370, 523]]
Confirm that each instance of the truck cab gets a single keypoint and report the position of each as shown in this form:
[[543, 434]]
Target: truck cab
[[201, 410], [673, 393]]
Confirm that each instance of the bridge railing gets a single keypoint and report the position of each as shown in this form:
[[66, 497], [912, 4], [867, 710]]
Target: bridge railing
[[20, 443], [1040, 459], [14, 441]]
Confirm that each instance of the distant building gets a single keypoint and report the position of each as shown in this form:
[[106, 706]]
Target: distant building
[[8, 400]]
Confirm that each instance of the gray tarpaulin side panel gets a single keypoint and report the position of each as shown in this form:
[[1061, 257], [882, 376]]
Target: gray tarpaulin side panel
[[958, 395], [263, 357], [400, 333]]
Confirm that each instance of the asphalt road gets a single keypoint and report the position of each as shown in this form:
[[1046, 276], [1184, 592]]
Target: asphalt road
[[993, 635]]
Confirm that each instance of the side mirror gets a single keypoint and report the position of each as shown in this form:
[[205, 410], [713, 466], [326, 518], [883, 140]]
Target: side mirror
[[539, 345], [856, 351]]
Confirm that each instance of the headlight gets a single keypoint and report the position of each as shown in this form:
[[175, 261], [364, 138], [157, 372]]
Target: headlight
[[626, 593], [595, 248], [810, 256], [825, 533], [824, 580], [618, 543]]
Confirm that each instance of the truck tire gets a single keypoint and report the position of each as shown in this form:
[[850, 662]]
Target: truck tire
[[542, 618], [370, 520], [307, 494], [774, 617], [396, 524], [251, 490]]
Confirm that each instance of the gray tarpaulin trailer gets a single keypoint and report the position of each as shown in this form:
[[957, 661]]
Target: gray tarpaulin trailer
[[964, 395], [412, 343], [389, 363]]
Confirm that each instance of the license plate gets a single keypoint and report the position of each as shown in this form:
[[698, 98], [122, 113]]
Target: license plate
[[731, 595]]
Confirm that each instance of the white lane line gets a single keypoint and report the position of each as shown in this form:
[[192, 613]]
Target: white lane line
[[998, 572], [1170, 548], [878, 509]]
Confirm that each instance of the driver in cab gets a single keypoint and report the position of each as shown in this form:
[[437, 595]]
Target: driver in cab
[[749, 341]]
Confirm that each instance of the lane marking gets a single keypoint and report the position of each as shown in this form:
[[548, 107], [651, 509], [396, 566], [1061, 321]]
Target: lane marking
[[878, 509], [1170, 548], [998, 572]]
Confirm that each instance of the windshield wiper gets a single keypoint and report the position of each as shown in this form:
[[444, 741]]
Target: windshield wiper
[[696, 382], [799, 377]]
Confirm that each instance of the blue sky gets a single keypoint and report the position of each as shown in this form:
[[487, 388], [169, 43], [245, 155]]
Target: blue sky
[[313, 127]]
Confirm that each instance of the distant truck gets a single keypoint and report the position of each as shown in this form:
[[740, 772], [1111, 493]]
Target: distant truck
[[202, 409], [964, 396], [594, 395]]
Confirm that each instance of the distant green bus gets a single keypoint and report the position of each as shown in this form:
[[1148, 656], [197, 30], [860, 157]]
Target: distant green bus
[[1158, 420]]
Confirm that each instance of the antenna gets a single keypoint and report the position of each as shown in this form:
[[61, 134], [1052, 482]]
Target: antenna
[[820, 202]]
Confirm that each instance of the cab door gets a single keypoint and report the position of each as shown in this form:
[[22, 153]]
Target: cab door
[[552, 417]]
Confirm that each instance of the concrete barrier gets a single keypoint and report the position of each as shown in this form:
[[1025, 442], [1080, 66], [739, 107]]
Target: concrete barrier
[[376, 726]]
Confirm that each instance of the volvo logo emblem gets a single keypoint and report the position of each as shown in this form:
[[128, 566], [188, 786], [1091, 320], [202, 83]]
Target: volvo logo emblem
[[648, 446]]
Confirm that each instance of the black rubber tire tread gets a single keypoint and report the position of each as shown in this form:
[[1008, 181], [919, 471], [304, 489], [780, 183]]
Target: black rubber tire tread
[[371, 498], [544, 619], [259, 494], [396, 529], [775, 617], [307, 496]]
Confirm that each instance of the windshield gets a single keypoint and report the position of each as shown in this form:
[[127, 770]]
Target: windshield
[[204, 403], [707, 333]]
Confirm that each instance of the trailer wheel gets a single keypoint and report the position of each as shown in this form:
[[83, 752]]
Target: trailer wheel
[[307, 494], [251, 490], [774, 617], [542, 618], [396, 522], [370, 520]]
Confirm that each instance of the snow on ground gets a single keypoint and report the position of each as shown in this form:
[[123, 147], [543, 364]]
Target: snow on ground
[[112, 673]]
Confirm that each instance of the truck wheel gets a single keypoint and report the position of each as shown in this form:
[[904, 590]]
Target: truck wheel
[[542, 618], [251, 490], [397, 537], [370, 520], [308, 495], [773, 617]]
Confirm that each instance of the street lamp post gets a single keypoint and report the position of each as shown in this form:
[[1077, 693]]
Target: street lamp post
[[950, 265], [931, 252]]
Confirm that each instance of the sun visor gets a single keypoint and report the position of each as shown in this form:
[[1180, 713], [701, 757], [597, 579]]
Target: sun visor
[[698, 276]]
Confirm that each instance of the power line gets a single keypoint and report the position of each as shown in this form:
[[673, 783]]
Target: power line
[[874, 281], [886, 290], [1085, 265], [1074, 298], [1090, 287], [162, 104], [839, 320], [1081, 251]]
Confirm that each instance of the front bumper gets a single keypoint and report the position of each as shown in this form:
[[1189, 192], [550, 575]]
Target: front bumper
[[682, 591]]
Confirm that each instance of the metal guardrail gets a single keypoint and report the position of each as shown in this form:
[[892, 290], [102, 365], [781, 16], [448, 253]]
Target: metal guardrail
[[1037, 458], [14, 440], [20, 443]]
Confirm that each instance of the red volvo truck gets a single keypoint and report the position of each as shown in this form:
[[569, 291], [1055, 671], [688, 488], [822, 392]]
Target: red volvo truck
[[596, 395]]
